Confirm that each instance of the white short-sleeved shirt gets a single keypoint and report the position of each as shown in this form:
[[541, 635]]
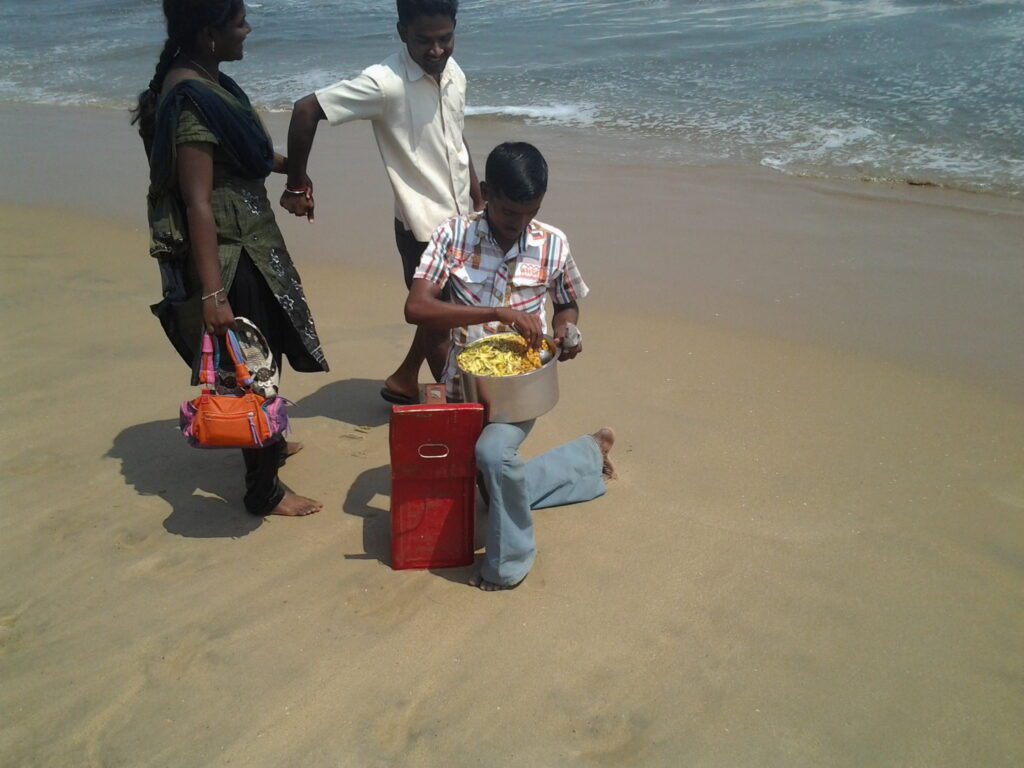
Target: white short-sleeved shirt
[[418, 125]]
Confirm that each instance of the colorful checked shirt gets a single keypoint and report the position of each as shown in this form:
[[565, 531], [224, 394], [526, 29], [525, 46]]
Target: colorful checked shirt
[[463, 253]]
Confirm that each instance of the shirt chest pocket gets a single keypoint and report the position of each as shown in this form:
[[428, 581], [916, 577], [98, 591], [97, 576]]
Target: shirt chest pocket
[[473, 281], [530, 274], [529, 284], [455, 107]]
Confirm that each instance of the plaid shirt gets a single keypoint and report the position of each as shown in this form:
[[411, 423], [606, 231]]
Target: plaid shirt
[[463, 253]]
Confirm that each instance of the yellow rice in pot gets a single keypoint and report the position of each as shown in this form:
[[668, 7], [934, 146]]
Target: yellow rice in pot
[[505, 354]]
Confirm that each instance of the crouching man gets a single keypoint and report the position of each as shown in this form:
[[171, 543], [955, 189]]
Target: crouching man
[[500, 264]]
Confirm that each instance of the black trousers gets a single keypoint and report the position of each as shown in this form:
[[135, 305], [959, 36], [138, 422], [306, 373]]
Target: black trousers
[[411, 250], [251, 297]]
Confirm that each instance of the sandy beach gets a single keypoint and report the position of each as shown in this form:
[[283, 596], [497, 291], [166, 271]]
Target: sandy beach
[[814, 554]]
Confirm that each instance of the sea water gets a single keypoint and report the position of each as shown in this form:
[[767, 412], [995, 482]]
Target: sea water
[[927, 91]]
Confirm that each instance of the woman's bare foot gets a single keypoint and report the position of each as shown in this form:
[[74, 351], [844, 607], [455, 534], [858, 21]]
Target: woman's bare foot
[[478, 581], [605, 439], [293, 505]]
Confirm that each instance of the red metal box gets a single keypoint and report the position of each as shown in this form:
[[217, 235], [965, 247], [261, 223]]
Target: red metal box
[[433, 480]]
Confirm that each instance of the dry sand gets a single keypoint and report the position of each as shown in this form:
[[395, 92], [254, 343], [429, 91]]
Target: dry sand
[[814, 555]]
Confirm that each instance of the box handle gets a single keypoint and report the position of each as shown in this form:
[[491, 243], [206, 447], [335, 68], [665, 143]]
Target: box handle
[[433, 451]]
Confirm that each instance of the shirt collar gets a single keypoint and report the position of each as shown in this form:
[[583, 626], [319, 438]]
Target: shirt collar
[[534, 235], [414, 71]]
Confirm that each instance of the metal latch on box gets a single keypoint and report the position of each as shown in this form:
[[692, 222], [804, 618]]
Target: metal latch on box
[[435, 394]]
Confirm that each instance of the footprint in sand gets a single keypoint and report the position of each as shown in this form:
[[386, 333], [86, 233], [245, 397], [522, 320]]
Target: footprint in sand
[[162, 567], [8, 634], [394, 730], [387, 607], [1011, 493], [192, 653], [129, 539], [611, 739], [358, 434]]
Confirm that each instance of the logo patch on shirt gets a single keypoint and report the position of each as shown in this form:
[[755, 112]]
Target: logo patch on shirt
[[530, 270]]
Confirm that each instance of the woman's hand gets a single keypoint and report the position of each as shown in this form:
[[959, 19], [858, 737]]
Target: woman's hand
[[527, 325], [217, 316], [299, 204]]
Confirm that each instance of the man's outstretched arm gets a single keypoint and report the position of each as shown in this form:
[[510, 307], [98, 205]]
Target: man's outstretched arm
[[306, 115]]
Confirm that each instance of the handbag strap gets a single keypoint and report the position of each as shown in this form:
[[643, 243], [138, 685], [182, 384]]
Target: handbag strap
[[242, 375], [208, 363], [211, 361]]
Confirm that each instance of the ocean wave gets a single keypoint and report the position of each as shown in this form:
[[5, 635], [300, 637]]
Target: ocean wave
[[566, 114], [864, 154]]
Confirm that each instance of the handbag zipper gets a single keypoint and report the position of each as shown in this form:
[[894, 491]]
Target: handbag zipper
[[255, 434]]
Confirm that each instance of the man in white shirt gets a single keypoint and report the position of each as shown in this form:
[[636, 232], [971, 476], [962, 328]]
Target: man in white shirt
[[416, 102]]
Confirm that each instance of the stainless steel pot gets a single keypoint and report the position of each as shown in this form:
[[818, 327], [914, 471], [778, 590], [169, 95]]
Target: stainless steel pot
[[509, 399]]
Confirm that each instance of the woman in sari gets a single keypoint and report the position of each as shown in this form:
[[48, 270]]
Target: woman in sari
[[212, 229]]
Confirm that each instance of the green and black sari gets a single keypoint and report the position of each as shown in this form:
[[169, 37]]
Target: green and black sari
[[199, 111]]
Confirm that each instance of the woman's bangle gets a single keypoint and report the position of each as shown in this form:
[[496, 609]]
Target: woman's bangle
[[290, 191], [214, 295]]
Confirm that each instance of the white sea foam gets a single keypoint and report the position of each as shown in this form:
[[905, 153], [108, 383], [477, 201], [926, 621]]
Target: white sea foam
[[567, 114]]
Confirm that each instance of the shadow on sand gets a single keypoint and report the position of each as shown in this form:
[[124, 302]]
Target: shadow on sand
[[353, 401], [203, 488], [360, 502], [371, 484]]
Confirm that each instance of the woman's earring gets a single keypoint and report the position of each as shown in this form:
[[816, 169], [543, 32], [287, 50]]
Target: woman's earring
[[213, 46]]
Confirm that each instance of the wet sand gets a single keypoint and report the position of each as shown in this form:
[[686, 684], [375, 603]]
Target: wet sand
[[814, 554]]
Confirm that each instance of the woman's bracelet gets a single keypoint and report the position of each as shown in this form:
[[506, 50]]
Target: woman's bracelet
[[290, 191], [214, 295]]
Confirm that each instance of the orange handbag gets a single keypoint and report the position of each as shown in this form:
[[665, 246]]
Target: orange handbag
[[246, 420]]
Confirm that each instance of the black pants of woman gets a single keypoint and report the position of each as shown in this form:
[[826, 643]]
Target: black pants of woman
[[251, 297]]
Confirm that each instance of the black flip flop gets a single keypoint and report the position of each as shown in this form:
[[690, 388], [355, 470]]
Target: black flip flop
[[397, 398]]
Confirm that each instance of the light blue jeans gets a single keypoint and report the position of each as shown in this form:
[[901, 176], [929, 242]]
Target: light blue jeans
[[568, 474]]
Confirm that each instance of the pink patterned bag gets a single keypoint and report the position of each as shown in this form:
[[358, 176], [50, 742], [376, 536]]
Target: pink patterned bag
[[245, 420]]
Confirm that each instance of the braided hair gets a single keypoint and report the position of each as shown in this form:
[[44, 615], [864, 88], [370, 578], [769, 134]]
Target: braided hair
[[185, 20]]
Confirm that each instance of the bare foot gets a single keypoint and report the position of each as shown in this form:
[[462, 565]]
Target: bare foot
[[605, 439], [478, 581], [293, 505]]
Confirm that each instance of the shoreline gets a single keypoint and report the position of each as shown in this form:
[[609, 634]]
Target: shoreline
[[639, 150], [811, 556]]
